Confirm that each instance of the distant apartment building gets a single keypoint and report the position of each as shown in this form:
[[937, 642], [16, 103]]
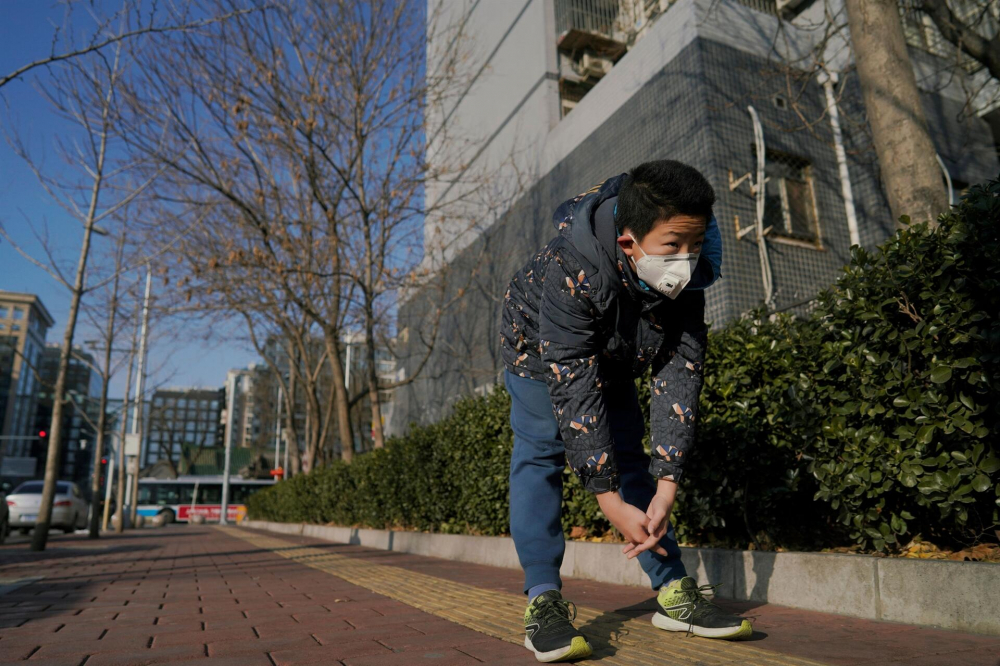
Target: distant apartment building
[[80, 414], [181, 423], [571, 92], [244, 414], [24, 322]]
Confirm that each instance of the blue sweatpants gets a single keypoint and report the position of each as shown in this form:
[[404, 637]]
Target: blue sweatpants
[[536, 469]]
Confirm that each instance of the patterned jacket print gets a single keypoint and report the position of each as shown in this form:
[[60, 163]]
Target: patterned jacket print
[[577, 317]]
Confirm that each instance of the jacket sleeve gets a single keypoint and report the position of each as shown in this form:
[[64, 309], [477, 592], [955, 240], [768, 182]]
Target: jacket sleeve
[[676, 386], [570, 342]]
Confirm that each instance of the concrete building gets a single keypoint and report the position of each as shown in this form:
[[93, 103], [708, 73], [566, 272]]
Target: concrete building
[[571, 92], [181, 422], [79, 426], [242, 417], [24, 323]]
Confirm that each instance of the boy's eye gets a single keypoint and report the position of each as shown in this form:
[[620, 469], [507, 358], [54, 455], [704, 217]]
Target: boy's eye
[[672, 244]]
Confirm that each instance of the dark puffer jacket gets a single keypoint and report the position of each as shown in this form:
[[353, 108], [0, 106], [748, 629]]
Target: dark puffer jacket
[[577, 317]]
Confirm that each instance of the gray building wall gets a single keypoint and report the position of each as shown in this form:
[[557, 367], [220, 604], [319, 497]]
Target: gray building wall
[[692, 109]]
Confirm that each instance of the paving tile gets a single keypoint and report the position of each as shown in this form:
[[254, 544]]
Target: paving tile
[[492, 651], [409, 643], [204, 637], [326, 654], [93, 647], [443, 657], [146, 657], [260, 645], [355, 635], [241, 660]]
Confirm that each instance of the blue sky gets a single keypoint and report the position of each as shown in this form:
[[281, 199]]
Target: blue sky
[[26, 29]]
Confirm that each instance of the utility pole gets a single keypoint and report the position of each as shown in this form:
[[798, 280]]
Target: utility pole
[[140, 381], [230, 427], [120, 457], [107, 497], [277, 438]]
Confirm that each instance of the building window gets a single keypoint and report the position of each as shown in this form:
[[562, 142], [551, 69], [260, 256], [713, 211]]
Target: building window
[[15, 327], [4, 312], [18, 313], [790, 204]]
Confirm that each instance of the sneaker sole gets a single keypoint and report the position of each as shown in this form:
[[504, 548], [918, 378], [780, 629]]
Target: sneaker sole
[[578, 648], [661, 621]]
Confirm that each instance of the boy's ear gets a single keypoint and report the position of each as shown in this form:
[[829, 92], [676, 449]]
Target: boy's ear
[[626, 243]]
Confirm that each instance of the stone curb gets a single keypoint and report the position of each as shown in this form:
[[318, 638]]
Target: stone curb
[[949, 595]]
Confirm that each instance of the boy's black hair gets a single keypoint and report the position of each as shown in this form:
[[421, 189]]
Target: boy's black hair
[[659, 190]]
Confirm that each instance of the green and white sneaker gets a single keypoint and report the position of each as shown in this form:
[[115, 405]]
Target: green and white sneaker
[[550, 634], [682, 606]]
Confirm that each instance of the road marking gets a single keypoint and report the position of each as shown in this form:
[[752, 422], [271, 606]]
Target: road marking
[[617, 639]]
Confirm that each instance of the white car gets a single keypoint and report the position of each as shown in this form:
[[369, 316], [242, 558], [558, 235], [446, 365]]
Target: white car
[[69, 509], [4, 513]]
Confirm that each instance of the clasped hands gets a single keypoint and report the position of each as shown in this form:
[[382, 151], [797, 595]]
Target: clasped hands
[[643, 531]]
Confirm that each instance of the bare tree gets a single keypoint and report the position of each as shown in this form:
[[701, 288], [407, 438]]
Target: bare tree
[[83, 92], [300, 143], [129, 22]]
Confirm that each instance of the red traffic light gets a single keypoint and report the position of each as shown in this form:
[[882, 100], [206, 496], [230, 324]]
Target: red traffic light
[[42, 433], [104, 461]]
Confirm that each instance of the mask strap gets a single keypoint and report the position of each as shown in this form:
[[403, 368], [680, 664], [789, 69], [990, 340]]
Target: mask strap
[[637, 245]]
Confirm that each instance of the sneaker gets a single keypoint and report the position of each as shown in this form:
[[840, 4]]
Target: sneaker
[[549, 630], [682, 606]]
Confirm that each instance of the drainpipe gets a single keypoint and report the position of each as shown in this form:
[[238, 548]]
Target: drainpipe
[[947, 180], [827, 79], [759, 193]]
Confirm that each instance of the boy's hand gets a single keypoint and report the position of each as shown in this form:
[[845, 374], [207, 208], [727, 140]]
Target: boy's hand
[[630, 521], [658, 514]]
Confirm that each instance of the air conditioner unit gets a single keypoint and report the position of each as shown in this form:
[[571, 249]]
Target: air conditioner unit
[[786, 7], [591, 66]]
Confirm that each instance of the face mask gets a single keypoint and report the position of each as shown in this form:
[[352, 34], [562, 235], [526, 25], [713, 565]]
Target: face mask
[[666, 273]]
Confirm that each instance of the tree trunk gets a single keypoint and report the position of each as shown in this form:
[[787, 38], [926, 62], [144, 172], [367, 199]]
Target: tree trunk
[[906, 154], [378, 433], [341, 398], [40, 535], [291, 428]]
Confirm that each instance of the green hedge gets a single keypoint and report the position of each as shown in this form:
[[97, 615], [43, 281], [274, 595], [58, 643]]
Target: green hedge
[[872, 420]]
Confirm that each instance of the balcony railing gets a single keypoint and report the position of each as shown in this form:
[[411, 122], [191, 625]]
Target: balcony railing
[[596, 16]]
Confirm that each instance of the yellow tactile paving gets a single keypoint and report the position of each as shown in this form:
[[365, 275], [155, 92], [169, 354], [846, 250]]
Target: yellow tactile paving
[[617, 639]]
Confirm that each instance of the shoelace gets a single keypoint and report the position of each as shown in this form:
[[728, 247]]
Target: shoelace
[[555, 609], [701, 603]]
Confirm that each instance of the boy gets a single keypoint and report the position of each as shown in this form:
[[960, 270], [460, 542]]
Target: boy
[[619, 289]]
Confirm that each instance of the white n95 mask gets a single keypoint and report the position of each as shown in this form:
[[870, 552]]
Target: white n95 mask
[[666, 273]]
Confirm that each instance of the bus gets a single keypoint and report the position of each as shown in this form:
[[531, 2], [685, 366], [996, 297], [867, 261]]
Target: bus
[[179, 499]]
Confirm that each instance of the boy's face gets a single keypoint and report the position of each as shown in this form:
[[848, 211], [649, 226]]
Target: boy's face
[[681, 234]]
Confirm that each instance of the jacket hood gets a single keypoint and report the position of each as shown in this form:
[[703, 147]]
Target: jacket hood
[[593, 235]]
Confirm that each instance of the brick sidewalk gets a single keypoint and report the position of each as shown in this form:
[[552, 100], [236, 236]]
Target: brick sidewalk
[[185, 594]]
